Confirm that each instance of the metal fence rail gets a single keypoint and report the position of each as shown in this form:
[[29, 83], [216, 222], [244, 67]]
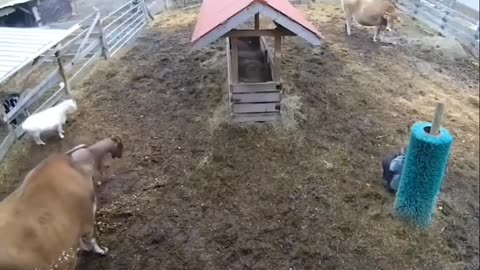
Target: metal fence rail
[[445, 20], [120, 26]]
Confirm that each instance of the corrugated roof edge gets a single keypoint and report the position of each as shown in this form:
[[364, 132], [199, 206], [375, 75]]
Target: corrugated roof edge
[[10, 3], [220, 24], [257, 6]]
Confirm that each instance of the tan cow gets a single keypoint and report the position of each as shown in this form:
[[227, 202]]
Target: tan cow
[[47, 219], [379, 13]]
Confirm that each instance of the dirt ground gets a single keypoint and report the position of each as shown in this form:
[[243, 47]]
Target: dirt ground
[[193, 192]]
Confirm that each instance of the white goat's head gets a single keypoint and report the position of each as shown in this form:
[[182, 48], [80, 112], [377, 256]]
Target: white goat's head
[[69, 105]]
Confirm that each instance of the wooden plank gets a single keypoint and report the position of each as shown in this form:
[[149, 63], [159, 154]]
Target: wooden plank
[[277, 58], [256, 107], [256, 33], [256, 117], [256, 97], [234, 60], [256, 87]]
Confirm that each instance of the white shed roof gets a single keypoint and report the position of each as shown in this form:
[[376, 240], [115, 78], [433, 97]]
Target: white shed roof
[[9, 3], [20, 46]]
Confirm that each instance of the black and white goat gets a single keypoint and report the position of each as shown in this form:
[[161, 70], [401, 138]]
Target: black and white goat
[[9, 103]]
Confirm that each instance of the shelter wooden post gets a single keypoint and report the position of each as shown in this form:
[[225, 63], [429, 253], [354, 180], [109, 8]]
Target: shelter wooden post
[[38, 19], [277, 59], [61, 70], [234, 62], [257, 21]]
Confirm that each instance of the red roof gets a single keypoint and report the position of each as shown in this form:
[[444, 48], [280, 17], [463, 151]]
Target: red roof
[[215, 13]]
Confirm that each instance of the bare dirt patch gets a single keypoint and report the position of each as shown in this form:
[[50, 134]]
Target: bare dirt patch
[[195, 193]]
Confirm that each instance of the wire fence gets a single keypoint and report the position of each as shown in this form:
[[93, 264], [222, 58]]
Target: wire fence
[[445, 20]]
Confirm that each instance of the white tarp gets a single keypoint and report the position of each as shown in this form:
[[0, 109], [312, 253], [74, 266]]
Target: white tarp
[[20, 46], [10, 3]]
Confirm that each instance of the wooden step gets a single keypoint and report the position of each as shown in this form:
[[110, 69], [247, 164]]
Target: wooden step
[[256, 107], [256, 97], [255, 117], [256, 87]]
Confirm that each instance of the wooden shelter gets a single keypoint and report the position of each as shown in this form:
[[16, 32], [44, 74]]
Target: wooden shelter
[[254, 70]]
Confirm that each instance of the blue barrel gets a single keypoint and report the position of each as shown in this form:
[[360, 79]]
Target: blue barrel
[[422, 175]]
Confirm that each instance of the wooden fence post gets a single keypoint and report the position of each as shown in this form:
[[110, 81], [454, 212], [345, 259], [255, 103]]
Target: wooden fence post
[[61, 70], [145, 10], [105, 52]]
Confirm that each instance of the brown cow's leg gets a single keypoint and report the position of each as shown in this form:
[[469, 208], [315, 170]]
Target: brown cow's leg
[[96, 248], [84, 246], [90, 235], [73, 263]]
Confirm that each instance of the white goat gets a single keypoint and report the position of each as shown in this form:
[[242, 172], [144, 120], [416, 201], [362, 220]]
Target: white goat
[[50, 119]]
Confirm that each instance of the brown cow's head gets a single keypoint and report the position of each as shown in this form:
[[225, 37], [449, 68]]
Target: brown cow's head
[[118, 151]]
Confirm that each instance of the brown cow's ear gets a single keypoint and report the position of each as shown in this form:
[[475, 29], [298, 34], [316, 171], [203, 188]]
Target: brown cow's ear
[[116, 139]]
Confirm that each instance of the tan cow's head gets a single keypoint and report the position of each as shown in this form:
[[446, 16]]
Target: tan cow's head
[[392, 15]]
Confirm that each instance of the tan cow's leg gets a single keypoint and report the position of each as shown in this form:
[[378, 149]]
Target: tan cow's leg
[[377, 31], [348, 18], [73, 5], [348, 24]]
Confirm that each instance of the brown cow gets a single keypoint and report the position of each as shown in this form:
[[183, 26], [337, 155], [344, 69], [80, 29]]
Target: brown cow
[[45, 221], [89, 158], [379, 13]]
